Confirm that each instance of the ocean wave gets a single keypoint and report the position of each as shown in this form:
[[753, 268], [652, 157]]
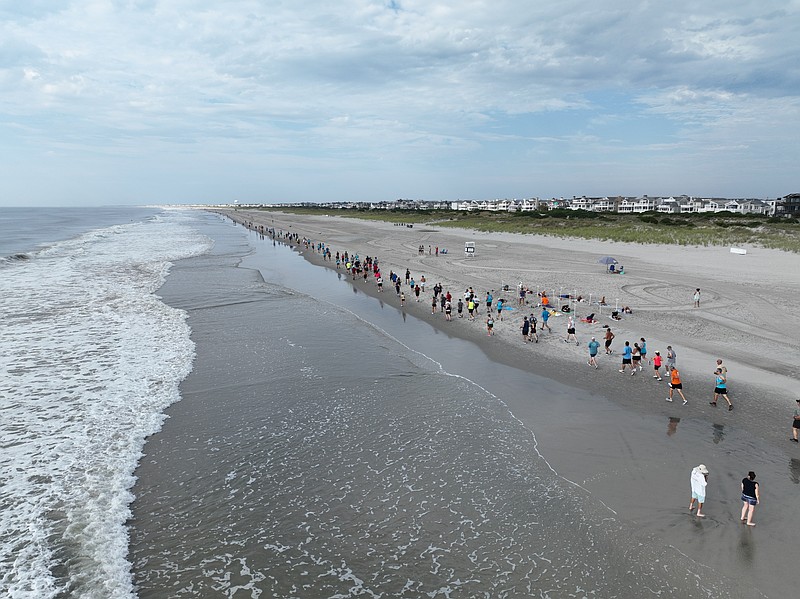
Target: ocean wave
[[93, 358]]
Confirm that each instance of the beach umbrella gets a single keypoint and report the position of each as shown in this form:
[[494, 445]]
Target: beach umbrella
[[607, 260]]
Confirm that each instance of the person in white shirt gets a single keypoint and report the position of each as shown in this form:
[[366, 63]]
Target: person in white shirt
[[699, 480]]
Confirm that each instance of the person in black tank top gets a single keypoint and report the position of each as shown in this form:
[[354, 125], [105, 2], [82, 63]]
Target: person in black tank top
[[750, 497]]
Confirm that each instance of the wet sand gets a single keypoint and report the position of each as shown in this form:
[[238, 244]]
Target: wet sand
[[615, 435]]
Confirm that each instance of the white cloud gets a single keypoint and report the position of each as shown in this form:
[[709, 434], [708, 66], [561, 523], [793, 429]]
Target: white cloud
[[413, 81]]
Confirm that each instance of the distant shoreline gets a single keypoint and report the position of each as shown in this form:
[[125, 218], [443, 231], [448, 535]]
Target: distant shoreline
[[692, 229]]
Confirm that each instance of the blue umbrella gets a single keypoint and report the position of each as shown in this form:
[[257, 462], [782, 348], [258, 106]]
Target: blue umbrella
[[607, 260]]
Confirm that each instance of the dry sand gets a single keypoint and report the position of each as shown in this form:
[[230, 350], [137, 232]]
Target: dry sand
[[748, 317]]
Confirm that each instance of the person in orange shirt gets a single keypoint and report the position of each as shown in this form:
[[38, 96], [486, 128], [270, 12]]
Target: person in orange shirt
[[676, 385]]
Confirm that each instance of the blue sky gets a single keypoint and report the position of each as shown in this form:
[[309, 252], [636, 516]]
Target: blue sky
[[179, 101]]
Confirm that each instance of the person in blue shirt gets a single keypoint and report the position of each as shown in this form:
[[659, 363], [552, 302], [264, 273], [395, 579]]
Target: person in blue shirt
[[643, 351], [489, 300], [545, 318], [627, 354], [593, 347], [721, 388]]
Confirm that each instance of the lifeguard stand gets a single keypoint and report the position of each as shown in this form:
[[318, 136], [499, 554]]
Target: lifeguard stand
[[469, 249]]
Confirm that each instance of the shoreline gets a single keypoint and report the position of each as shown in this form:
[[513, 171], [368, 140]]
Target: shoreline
[[619, 437], [752, 379]]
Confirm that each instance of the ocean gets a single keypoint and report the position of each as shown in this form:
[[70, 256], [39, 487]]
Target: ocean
[[257, 427]]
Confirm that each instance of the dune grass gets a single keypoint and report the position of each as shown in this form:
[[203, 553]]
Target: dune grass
[[708, 229]]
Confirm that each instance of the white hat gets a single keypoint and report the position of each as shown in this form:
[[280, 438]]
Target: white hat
[[702, 468]]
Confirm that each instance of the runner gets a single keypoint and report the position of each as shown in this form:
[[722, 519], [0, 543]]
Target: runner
[[643, 351], [489, 325], [609, 337], [526, 329], [627, 354], [657, 366], [636, 357], [545, 318], [671, 357], [593, 347], [676, 385], [721, 388], [571, 331]]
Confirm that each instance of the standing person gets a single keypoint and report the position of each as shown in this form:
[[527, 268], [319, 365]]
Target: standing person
[[571, 331], [675, 384], [643, 351], [627, 354], [609, 338], [696, 298], [526, 329], [796, 422], [489, 325], [593, 347], [545, 318], [699, 480], [671, 358], [721, 388], [408, 276], [657, 366], [750, 498]]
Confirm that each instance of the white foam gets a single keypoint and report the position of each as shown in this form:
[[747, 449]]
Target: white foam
[[91, 358]]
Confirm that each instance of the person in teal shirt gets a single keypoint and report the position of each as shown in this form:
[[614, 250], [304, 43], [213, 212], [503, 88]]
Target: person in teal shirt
[[593, 347], [721, 388], [627, 354]]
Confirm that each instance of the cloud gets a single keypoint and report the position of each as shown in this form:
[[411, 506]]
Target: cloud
[[414, 82]]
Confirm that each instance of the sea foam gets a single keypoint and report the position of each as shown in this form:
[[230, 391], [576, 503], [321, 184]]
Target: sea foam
[[91, 358]]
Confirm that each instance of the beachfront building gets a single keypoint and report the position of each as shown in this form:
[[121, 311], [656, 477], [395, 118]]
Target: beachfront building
[[529, 205], [788, 205]]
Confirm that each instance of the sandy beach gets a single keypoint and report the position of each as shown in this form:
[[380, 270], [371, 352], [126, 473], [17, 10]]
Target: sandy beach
[[633, 450]]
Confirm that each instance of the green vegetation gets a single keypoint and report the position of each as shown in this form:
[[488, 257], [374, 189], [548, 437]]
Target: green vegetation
[[702, 229]]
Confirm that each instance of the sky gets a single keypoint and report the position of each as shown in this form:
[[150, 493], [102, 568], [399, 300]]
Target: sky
[[108, 102]]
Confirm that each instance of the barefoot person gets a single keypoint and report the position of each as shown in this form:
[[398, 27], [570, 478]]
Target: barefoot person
[[699, 480], [675, 384], [750, 498], [796, 423]]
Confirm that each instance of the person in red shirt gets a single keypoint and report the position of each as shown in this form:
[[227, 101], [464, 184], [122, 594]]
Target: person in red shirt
[[657, 366]]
